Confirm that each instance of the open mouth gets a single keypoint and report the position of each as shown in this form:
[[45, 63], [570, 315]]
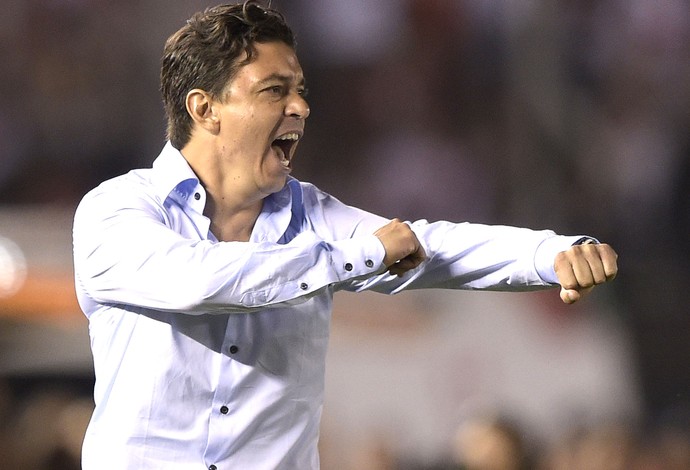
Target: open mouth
[[284, 145]]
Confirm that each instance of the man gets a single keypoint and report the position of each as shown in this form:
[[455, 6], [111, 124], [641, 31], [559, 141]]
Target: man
[[208, 279]]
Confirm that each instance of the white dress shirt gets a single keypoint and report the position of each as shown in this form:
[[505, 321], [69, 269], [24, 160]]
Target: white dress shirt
[[211, 354]]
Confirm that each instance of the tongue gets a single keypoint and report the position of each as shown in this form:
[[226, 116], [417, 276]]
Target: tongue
[[280, 153], [280, 149]]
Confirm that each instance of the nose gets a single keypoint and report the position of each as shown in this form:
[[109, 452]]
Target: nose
[[297, 107]]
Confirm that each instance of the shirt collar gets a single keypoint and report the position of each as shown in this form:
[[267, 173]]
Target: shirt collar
[[275, 216], [172, 175]]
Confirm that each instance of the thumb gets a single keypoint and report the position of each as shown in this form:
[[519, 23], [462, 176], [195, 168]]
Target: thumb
[[570, 296]]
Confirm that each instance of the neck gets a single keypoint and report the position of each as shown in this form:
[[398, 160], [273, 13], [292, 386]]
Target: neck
[[231, 224], [232, 212], [232, 216]]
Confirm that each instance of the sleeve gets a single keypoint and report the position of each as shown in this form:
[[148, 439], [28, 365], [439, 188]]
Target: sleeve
[[125, 253], [475, 256], [459, 255]]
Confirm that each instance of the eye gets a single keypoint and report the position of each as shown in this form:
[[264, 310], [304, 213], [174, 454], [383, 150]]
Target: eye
[[277, 90], [303, 92]]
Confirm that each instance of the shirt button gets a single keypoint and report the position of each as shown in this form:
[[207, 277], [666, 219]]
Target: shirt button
[[197, 196], [369, 263], [348, 266], [233, 349], [304, 286], [224, 409], [212, 467]]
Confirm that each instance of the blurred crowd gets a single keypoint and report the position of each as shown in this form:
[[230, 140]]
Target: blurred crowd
[[572, 115]]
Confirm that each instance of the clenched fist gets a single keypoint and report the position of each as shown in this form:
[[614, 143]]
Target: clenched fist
[[582, 267], [403, 250]]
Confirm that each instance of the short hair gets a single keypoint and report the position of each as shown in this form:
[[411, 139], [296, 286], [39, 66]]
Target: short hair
[[205, 54]]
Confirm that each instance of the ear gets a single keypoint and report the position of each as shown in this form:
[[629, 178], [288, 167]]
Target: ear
[[200, 106]]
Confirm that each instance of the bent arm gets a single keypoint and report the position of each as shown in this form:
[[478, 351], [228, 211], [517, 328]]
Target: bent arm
[[125, 253]]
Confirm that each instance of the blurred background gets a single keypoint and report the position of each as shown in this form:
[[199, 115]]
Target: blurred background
[[571, 115]]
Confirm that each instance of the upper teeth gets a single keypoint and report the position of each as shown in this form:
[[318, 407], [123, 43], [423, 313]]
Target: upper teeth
[[290, 136]]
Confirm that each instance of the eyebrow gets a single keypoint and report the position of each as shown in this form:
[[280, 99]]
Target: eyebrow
[[281, 78]]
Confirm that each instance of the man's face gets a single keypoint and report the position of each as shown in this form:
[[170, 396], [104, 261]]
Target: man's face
[[262, 118]]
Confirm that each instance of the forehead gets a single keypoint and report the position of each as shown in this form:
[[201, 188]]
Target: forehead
[[271, 59]]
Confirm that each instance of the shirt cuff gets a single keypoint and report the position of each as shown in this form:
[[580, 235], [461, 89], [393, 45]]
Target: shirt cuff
[[357, 257], [548, 249]]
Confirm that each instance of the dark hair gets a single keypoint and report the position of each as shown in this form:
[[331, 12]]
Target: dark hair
[[204, 54]]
